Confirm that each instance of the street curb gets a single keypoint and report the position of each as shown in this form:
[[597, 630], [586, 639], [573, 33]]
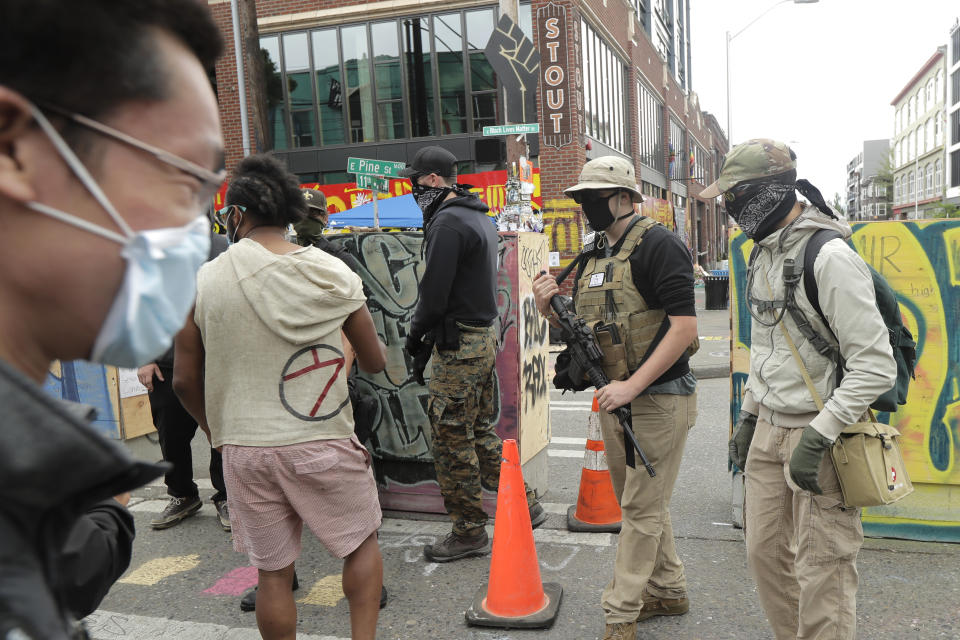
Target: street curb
[[704, 372]]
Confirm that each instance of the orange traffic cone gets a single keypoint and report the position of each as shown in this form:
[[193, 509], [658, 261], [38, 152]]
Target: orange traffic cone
[[514, 597], [597, 508]]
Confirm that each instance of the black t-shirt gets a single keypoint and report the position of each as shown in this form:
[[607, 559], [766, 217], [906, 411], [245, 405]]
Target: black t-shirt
[[663, 274]]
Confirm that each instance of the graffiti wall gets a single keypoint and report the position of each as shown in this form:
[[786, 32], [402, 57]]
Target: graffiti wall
[[533, 351], [921, 261], [391, 269], [121, 402]]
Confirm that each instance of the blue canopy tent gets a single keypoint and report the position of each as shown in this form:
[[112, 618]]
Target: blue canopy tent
[[399, 211]]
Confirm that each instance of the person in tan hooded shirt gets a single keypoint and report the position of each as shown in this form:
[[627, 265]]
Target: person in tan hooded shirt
[[262, 369]]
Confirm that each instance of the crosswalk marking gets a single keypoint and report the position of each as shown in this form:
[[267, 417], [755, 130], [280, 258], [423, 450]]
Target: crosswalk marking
[[582, 442], [326, 592], [564, 453], [234, 582], [153, 571], [110, 625]]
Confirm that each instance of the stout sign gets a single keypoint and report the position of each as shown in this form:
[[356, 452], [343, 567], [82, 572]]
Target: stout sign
[[554, 82]]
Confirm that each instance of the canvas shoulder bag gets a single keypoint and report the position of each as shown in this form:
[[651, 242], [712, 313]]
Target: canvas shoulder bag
[[866, 455]]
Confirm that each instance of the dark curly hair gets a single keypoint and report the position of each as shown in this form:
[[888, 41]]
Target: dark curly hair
[[271, 194]]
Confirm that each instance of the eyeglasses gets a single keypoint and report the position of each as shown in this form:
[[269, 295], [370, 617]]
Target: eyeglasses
[[210, 181], [220, 216], [590, 195]]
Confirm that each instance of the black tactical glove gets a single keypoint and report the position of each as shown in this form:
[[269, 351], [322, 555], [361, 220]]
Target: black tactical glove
[[419, 364], [805, 461], [414, 345], [739, 443]]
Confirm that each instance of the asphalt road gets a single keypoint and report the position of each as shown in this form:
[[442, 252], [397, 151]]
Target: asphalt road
[[184, 582]]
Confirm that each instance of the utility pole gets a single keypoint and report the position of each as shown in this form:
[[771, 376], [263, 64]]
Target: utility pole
[[253, 66], [516, 145]]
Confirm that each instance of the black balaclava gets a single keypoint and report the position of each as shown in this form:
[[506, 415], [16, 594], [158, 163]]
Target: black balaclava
[[759, 205]]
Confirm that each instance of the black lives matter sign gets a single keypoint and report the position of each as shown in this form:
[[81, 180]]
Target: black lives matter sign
[[556, 130]]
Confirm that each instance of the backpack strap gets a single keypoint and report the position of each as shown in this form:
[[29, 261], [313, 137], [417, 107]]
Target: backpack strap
[[819, 238]]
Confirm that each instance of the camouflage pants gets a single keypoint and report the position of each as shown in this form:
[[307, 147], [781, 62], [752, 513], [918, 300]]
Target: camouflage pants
[[463, 407]]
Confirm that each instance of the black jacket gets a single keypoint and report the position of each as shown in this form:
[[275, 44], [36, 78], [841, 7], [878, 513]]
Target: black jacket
[[460, 275], [62, 541]]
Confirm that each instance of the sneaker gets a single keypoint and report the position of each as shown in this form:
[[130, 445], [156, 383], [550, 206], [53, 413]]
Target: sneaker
[[455, 547], [621, 631], [177, 509], [223, 513], [249, 600], [537, 515], [654, 606]]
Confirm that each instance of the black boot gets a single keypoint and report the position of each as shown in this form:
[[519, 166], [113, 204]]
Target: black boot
[[249, 600]]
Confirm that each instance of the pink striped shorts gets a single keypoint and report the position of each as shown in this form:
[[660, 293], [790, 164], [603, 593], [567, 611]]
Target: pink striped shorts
[[273, 491]]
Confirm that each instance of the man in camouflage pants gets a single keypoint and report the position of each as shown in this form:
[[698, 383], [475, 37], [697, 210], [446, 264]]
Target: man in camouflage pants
[[457, 307]]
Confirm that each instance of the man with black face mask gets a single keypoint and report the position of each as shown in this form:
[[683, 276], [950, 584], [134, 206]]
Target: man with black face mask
[[458, 304], [635, 289], [802, 543]]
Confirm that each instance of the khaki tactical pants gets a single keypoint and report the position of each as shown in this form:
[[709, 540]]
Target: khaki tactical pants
[[646, 555], [801, 548]]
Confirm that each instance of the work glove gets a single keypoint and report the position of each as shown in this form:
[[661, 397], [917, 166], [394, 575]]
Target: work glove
[[739, 443], [806, 458]]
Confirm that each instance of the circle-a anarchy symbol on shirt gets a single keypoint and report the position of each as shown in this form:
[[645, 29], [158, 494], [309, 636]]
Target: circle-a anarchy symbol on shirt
[[314, 368]]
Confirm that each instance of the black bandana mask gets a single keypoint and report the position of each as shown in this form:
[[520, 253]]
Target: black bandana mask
[[429, 198], [759, 206]]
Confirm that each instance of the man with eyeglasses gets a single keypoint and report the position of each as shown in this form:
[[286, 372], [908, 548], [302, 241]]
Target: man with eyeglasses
[[106, 167], [635, 275]]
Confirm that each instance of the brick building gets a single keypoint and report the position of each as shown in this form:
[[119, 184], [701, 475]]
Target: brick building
[[381, 79]]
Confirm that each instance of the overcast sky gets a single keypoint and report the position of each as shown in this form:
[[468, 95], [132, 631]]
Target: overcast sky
[[818, 76]]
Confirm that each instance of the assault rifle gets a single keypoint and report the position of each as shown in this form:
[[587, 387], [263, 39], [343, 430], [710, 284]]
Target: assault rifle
[[587, 356]]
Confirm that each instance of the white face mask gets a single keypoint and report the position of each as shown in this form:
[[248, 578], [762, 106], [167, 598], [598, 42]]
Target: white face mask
[[160, 282]]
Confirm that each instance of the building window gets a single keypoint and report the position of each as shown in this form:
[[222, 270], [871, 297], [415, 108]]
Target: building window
[[928, 135], [938, 177], [411, 77], [928, 95], [937, 129], [388, 80], [698, 163], [955, 127], [483, 81], [650, 111], [603, 90], [928, 172], [677, 148], [896, 189], [955, 41], [955, 86], [881, 209], [911, 185], [909, 110], [955, 168]]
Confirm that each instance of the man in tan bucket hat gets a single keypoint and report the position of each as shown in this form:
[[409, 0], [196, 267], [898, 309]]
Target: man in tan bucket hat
[[637, 276]]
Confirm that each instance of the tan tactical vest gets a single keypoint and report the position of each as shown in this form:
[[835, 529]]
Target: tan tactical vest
[[609, 302]]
